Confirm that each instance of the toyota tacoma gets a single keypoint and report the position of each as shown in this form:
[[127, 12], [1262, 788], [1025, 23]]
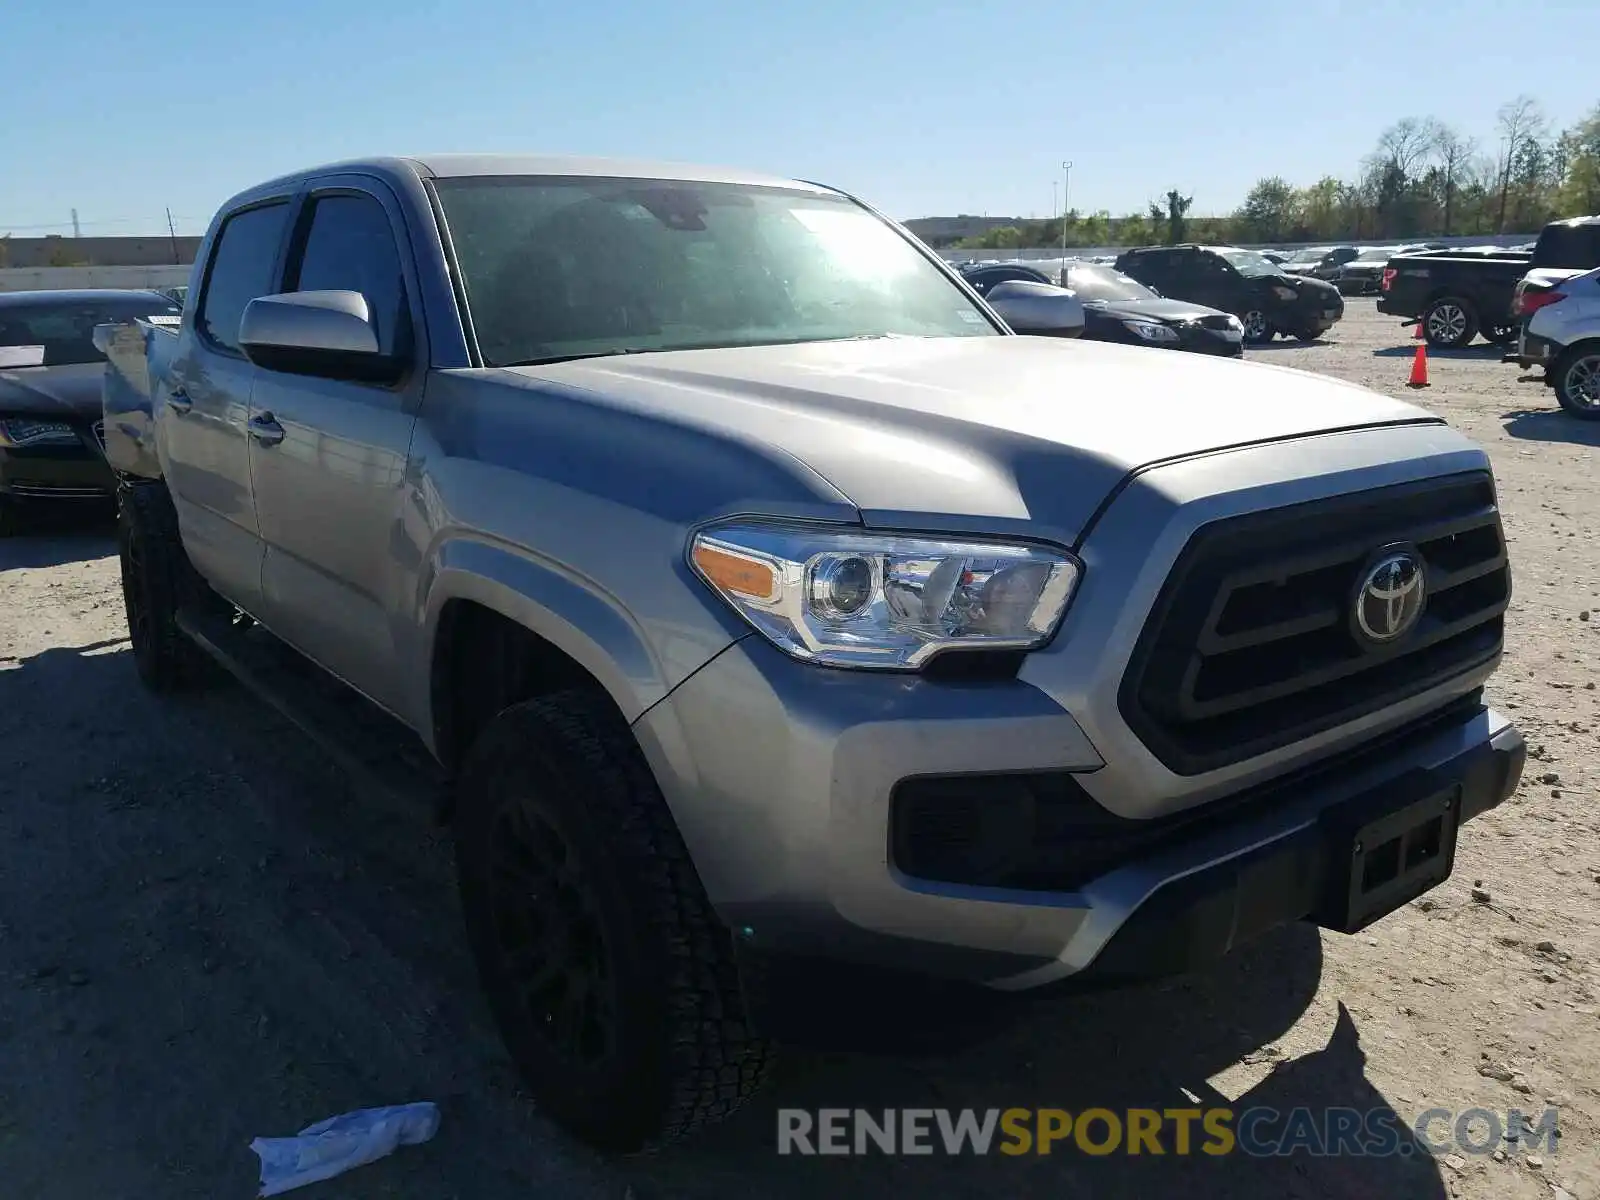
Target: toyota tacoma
[[746, 588]]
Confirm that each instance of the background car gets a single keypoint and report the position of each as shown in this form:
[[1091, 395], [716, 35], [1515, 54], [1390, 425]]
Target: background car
[[1561, 332], [1363, 274], [1118, 308], [1266, 300], [1321, 263], [50, 394]]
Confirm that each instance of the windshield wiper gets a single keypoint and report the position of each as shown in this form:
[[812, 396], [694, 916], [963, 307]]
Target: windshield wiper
[[561, 358]]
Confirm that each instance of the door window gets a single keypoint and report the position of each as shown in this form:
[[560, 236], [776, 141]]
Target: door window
[[240, 270], [349, 246]]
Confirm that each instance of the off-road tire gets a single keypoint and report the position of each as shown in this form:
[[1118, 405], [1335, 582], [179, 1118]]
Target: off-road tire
[[156, 579], [682, 1053], [1581, 359], [1449, 323]]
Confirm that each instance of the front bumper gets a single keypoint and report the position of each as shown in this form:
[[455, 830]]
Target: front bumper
[[783, 776], [57, 472]]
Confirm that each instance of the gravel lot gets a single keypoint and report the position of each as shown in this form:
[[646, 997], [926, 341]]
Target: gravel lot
[[205, 936]]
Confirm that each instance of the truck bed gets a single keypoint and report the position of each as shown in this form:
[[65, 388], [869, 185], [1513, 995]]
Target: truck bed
[[137, 355]]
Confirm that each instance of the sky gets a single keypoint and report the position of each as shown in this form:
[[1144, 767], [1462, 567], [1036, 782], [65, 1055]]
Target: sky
[[921, 109]]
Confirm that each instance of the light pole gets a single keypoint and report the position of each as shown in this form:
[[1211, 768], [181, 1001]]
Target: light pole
[[1066, 207]]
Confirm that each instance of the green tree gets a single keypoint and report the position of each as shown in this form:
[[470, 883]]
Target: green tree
[[1580, 187], [1174, 215], [1270, 211]]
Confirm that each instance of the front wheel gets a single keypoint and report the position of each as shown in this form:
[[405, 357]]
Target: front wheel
[[1577, 381], [1257, 329], [614, 985], [1449, 323]]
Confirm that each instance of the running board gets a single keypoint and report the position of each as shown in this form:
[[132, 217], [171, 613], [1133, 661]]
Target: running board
[[378, 753]]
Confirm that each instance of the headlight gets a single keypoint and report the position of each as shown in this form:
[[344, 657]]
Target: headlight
[[25, 431], [1150, 331], [851, 599], [1284, 293]]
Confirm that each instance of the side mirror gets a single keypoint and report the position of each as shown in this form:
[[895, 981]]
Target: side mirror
[[316, 333], [1037, 308]]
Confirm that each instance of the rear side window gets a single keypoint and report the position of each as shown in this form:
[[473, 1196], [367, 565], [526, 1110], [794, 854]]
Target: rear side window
[[1571, 246], [350, 247], [241, 270]]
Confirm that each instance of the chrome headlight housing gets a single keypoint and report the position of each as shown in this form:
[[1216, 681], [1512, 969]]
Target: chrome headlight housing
[[1151, 331], [847, 598], [19, 432]]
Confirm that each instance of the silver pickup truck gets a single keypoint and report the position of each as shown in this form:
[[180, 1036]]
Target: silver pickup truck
[[746, 588]]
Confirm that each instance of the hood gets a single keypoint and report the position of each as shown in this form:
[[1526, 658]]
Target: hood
[[1311, 287], [1157, 309], [920, 432], [58, 393]]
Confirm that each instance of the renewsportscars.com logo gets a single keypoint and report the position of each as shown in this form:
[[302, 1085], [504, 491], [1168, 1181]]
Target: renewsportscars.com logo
[[1256, 1132]]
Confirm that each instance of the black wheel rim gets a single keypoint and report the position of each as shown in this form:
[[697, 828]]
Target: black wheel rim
[[133, 588], [551, 953]]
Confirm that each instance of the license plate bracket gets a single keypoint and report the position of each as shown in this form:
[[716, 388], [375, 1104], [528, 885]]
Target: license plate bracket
[[1390, 860]]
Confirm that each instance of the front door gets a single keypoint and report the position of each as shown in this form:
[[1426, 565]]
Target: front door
[[328, 456], [207, 403]]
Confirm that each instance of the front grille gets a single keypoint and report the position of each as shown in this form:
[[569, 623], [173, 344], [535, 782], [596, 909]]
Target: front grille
[[1251, 645], [53, 491]]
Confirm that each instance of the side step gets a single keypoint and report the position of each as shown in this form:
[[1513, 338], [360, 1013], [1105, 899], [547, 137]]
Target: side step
[[376, 751]]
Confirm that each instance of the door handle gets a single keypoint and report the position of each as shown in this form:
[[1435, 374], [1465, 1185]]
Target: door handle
[[178, 401], [265, 429]]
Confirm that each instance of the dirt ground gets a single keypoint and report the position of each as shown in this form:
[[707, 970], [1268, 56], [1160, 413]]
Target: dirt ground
[[206, 936]]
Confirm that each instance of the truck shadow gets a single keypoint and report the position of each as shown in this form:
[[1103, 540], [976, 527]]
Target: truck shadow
[[195, 895], [1149, 1047], [1478, 353], [1551, 425]]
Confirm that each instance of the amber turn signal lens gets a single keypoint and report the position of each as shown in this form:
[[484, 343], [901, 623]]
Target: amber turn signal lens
[[736, 573]]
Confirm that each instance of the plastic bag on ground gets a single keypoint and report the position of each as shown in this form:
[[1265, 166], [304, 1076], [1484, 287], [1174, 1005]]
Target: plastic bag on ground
[[341, 1143]]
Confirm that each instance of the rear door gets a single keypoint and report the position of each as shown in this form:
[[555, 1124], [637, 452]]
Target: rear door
[[1208, 279], [1153, 268], [329, 455], [207, 403]]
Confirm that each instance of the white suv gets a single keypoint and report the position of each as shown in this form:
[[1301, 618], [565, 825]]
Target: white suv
[[1561, 330]]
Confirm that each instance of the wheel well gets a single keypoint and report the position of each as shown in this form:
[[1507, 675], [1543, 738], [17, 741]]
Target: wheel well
[[484, 662], [1449, 294]]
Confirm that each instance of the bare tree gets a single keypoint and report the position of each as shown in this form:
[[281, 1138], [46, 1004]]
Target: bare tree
[[1405, 144], [1520, 122], [1453, 151]]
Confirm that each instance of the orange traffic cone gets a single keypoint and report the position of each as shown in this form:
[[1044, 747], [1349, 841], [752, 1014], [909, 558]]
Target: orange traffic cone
[[1419, 368], [1416, 330]]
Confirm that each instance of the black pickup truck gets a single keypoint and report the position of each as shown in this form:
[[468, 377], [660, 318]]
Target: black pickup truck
[[1457, 294]]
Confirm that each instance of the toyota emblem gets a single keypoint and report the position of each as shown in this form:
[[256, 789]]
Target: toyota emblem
[[1391, 597]]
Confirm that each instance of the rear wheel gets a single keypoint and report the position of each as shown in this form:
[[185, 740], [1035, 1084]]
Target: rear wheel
[[1577, 380], [1449, 323], [1257, 328], [156, 576], [614, 985]]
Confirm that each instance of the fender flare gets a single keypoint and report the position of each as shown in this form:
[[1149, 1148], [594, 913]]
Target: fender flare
[[571, 612]]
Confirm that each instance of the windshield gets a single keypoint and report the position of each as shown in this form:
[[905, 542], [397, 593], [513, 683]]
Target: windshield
[[572, 266], [1102, 283], [1249, 263], [1378, 255], [64, 328], [1306, 256]]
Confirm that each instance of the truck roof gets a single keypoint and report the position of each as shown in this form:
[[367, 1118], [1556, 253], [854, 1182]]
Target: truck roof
[[455, 166]]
